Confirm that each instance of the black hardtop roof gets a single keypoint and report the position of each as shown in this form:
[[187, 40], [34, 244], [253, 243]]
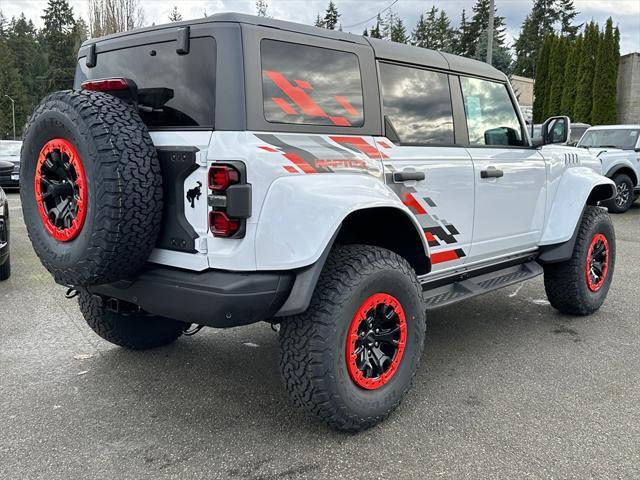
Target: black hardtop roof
[[383, 49]]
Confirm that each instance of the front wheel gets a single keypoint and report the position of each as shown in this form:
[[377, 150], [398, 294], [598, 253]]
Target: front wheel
[[624, 194], [351, 357], [579, 286]]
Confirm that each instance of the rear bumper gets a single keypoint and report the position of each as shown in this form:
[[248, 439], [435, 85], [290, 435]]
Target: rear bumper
[[215, 298]]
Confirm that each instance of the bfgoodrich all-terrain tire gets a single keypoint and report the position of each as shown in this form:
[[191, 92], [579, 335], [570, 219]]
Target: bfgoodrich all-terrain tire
[[91, 187], [350, 359], [624, 194], [134, 330], [580, 285]]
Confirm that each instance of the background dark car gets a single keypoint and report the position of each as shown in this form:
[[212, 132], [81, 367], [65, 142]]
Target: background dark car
[[10, 152], [5, 264]]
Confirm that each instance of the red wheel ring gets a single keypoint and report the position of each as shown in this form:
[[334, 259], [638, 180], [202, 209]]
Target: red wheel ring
[[376, 341], [597, 262], [61, 190]]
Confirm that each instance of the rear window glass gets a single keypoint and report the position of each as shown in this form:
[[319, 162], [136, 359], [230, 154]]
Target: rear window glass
[[310, 85], [173, 90], [418, 104]]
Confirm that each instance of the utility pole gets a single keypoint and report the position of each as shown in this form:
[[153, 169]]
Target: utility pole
[[492, 9], [13, 113]]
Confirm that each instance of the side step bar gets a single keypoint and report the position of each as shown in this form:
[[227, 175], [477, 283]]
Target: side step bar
[[470, 287]]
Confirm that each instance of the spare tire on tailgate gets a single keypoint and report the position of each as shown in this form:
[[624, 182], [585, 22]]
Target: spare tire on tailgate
[[91, 187]]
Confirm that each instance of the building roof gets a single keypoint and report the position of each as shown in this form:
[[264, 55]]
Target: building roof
[[383, 49]]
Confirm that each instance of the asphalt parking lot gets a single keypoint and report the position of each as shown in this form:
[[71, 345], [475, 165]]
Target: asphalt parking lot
[[508, 388]]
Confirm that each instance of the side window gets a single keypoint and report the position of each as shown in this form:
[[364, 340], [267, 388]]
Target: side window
[[491, 115], [309, 85], [418, 104]]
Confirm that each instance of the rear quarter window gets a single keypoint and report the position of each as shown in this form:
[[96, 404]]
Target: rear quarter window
[[176, 91], [308, 85]]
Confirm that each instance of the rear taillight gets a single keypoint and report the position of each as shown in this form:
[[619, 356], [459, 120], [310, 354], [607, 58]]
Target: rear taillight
[[230, 200], [222, 225], [221, 177], [105, 85]]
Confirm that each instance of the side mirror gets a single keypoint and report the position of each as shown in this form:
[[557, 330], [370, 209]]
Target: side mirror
[[6, 167], [556, 130]]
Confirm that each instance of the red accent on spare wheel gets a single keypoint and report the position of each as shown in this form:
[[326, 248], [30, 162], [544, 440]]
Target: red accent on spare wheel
[[597, 262], [61, 190], [376, 341]]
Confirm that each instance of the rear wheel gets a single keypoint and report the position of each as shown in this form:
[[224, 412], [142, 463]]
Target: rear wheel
[[580, 285], [132, 329], [350, 359], [5, 269], [624, 194]]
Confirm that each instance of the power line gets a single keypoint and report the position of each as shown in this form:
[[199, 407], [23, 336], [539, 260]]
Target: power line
[[375, 16]]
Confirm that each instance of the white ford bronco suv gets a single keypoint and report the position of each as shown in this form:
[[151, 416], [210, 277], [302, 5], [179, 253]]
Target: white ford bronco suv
[[618, 149], [238, 169]]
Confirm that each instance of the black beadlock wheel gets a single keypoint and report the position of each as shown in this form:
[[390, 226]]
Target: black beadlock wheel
[[134, 330], [91, 188], [351, 357], [579, 286]]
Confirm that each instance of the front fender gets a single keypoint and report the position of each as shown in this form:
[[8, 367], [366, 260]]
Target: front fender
[[573, 191], [301, 214]]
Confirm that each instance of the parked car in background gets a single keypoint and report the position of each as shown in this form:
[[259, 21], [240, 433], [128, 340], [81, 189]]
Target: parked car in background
[[10, 152], [5, 263], [577, 130], [618, 148]]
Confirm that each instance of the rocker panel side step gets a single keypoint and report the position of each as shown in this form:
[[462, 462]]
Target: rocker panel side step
[[470, 287]]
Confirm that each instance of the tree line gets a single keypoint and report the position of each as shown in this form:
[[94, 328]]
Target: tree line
[[577, 75], [575, 66]]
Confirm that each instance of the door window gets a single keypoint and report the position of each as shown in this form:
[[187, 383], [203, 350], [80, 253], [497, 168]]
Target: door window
[[309, 85], [491, 115], [417, 103]]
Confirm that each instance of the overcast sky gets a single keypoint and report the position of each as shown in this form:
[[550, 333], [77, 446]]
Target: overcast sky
[[625, 13]]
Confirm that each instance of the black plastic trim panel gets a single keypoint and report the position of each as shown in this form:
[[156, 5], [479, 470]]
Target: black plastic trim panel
[[215, 298], [177, 164]]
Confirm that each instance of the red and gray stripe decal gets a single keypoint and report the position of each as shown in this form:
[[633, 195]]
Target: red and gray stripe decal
[[346, 152]]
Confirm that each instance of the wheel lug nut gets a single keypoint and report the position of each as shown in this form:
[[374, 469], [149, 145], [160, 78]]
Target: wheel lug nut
[[376, 344]]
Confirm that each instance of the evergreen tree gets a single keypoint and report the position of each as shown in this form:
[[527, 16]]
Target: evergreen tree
[[501, 58], [399, 32], [365, 33], [542, 75], [443, 34], [567, 12], [11, 85], [331, 16], [460, 36], [262, 8], [479, 23], [420, 34], [319, 22], [570, 77], [175, 15], [59, 42], [584, 89], [556, 76], [22, 42], [3, 25], [375, 31], [604, 109], [387, 23], [535, 28]]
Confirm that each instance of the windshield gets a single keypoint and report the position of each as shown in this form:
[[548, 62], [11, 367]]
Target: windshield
[[10, 149], [623, 138]]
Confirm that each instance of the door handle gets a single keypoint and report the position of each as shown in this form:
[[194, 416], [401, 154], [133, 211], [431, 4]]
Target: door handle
[[491, 172], [400, 177]]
